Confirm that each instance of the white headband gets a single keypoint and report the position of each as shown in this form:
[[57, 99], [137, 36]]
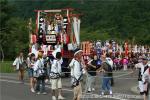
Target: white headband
[[77, 52]]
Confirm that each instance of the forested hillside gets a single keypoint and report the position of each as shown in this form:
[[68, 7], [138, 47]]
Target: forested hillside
[[101, 19]]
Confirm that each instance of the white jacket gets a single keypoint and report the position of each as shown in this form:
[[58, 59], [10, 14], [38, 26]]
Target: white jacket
[[17, 62], [76, 69], [38, 66], [56, 66], [141, 66], [146, 76]]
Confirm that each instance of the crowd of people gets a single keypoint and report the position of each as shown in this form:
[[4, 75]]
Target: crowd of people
[[42, 69], [57, 33]]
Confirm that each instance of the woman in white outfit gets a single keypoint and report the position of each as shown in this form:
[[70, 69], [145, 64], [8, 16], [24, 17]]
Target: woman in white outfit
[[19, 64]]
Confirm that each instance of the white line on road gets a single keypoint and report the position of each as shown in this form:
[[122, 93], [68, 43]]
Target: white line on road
[[17, 82], [117, 97], [117, 76]]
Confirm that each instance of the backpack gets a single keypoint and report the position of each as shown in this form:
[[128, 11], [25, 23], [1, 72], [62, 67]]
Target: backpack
[[109, 69]]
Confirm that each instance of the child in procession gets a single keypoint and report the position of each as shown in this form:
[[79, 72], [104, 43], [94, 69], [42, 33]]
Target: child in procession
[[39, 74], [55, 76], [30, 62]]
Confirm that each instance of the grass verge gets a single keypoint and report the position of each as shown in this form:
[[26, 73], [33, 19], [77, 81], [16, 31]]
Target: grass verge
[[6, 67]]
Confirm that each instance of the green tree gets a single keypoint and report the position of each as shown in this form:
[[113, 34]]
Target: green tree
[[14, 34]]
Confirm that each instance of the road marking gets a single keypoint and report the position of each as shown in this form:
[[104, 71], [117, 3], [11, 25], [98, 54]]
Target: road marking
[[11, 77], [18, 82], [3, 80], [117, 96], [117, 76]]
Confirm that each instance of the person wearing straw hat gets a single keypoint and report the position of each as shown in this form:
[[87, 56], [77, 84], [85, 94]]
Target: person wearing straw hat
[[76, 74], [39, 74]]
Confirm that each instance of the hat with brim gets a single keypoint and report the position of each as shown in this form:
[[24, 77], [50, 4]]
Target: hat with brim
[[76, 51]]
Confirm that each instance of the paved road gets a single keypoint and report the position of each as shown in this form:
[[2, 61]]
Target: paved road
[[12, 89]]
